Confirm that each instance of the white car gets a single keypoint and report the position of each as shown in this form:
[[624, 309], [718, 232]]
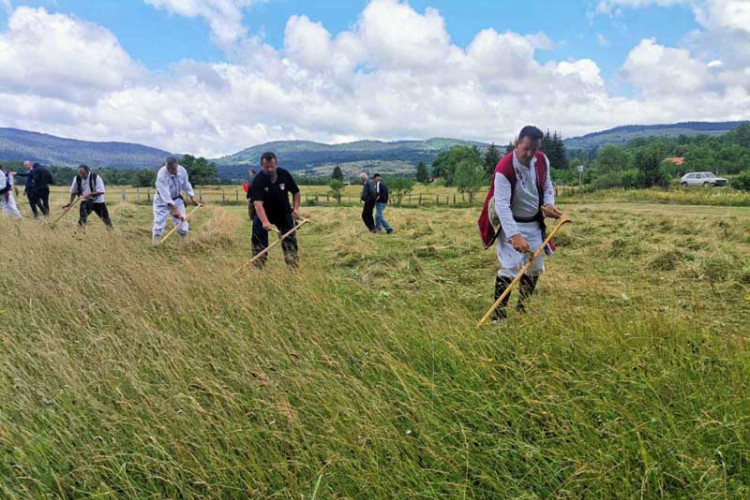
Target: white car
[[704, 179]]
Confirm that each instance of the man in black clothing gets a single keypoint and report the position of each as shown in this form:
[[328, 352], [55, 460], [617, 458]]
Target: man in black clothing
[[270, 194], [370, 198], [37, 184], [41, 178]]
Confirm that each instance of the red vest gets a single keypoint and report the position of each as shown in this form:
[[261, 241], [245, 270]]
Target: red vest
[[489, 222]]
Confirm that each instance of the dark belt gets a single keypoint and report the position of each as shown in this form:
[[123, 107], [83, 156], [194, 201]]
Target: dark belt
[[526, 219]]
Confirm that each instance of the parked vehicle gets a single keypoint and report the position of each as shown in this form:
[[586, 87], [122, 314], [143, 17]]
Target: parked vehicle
[[704, 179]]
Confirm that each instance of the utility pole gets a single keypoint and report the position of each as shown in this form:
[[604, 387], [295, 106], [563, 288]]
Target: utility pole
[[580, 176]]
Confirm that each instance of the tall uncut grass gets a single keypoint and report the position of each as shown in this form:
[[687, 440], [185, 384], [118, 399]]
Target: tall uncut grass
[[137, 372]]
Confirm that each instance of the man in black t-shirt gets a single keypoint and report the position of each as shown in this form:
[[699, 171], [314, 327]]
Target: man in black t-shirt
[[270, 194]]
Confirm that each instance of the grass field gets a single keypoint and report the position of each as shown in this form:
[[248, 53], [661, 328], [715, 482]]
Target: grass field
[[139, 372]]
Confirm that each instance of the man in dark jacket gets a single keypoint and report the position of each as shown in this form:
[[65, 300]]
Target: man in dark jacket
[[381, 202], [370, 198], [38, 179]]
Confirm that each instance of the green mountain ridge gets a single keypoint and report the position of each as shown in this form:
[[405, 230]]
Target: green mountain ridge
[[620, 136]]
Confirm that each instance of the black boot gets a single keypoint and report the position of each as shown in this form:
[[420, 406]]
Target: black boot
[[501, 284], [526, 290]]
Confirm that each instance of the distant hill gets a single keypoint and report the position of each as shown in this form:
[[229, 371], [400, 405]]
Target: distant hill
[[622, 135], [17, 145], [316, 159]]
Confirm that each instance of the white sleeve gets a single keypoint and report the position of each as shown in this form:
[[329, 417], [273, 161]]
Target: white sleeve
[[502, 206], [162, 187], [99, 184], [3, 180], [549, 188], [186, 186], [74, 186]]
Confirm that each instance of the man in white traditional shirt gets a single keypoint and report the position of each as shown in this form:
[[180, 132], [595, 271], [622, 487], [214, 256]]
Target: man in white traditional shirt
[[171, 181], [521, 196], [90, 187], [7, 200]]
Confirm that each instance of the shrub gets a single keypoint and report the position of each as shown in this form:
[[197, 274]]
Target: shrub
[[742, 181]]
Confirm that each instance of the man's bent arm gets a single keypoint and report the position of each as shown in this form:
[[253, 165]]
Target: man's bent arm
[[261, 213]]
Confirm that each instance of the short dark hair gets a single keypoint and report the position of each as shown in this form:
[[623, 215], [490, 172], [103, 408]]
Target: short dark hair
[[171, 160], [267, 156], [36, 165], [377, 175], [532, 132], [85, 167]]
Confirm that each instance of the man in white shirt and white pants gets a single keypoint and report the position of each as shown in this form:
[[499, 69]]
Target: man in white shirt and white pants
[[90, 187], [171, 181], [7, 200], [521, 196]]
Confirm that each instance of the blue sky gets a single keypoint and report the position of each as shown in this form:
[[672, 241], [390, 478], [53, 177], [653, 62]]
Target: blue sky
[[158, 38]]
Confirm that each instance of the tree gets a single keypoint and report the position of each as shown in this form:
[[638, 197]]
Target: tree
[[399, 187], [422, 175], [337, 174], [444, 165], [337, 189], [648, 161], [491, 159], [469, 178], [612, 159], [144, 178], [200, 170], [510, 148], [558, 156]]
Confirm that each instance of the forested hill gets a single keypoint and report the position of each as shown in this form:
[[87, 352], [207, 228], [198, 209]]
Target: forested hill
[[314, 158], [622, 135], [19, 145]]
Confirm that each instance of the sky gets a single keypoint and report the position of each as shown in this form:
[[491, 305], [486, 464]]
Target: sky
[[212, 77]]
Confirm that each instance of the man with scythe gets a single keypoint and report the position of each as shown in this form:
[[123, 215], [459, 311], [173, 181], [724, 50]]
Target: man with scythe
[[520, 197], [270, 196]]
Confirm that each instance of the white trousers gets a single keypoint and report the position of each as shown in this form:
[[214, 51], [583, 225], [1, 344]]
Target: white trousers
[[9, 206], [511, 261], [162, 212]]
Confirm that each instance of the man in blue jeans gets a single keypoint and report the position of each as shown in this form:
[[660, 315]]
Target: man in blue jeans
[[381, 193]]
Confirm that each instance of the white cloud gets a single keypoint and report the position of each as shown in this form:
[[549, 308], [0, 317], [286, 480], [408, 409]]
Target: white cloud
[[54, 55], [223, 16], [375, 80], [609, 6], [602, 40], [660, 70]]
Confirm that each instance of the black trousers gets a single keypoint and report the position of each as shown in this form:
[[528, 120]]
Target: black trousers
[[289, 245], [39, 200], [367, 216], [99, 209]]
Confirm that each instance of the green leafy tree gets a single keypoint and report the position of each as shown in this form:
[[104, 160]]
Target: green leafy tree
[[612, 159], [400, 187], [470, 177], [422, 175], [491, 159], [742, 181], [648, 161], [444, 165], [144, 178], [337, 174], [337, 187], [200, 170], [510, 148]]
